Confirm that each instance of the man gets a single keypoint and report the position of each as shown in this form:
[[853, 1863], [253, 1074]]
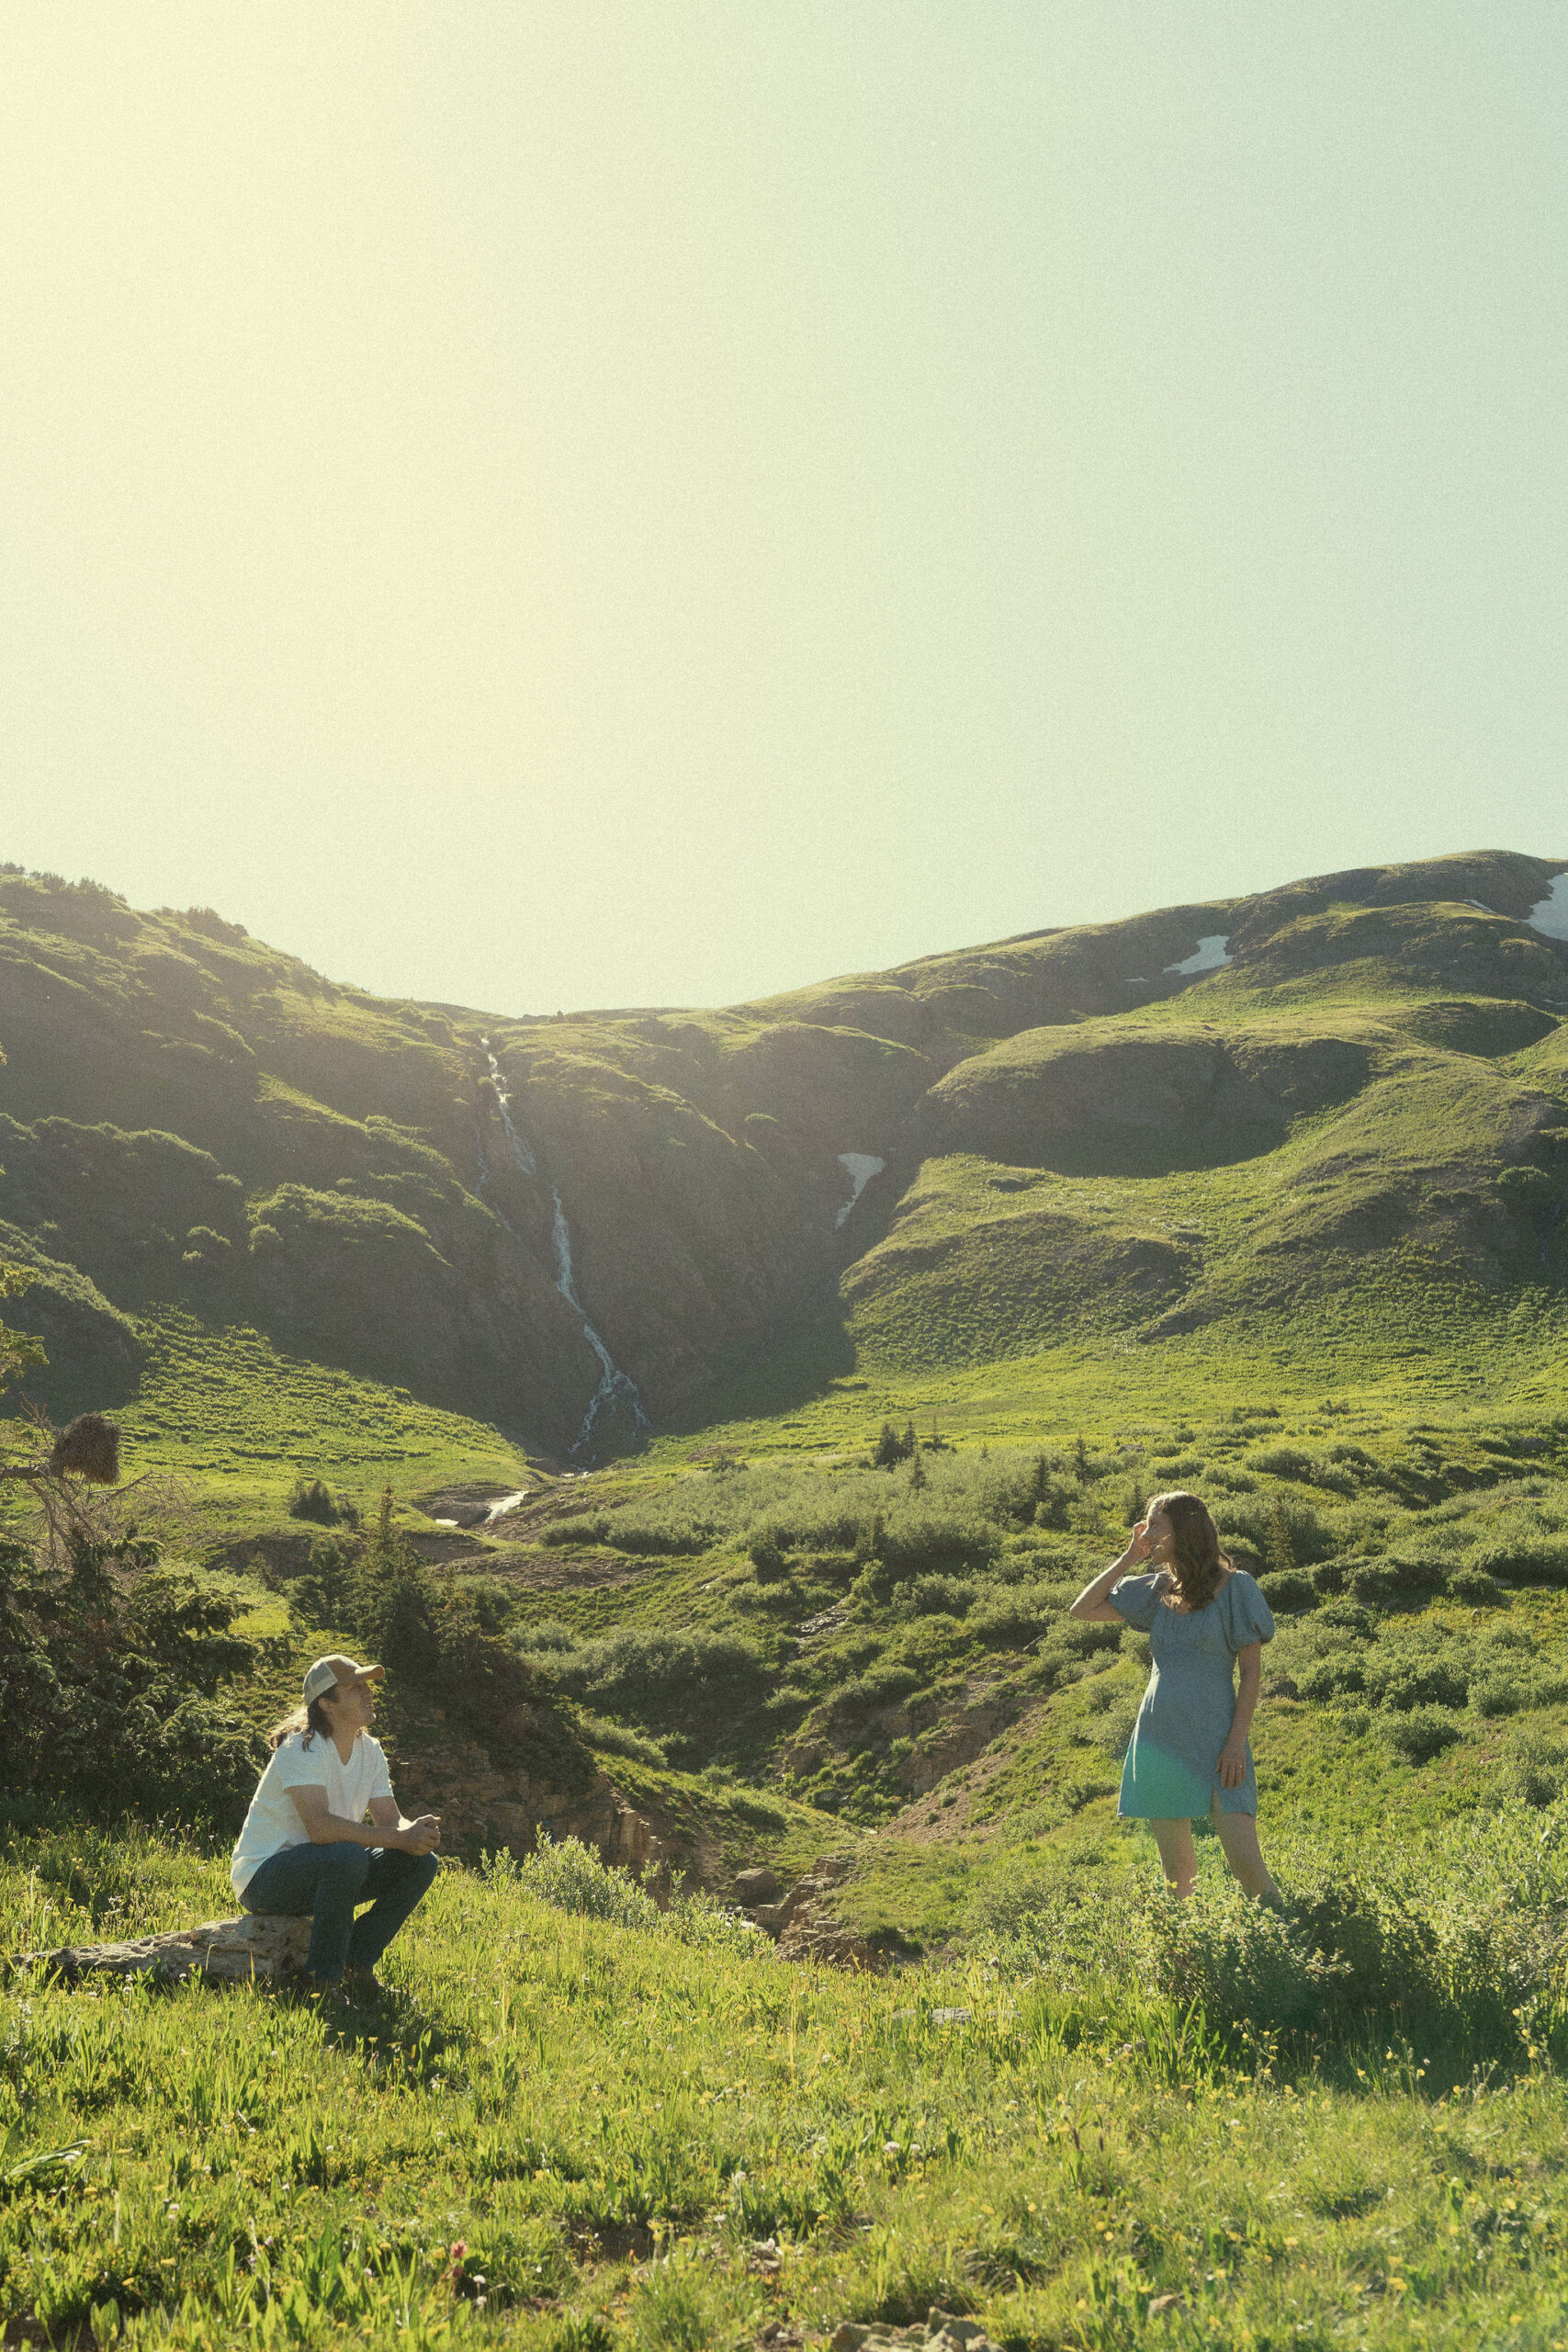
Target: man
[[307, 1851]]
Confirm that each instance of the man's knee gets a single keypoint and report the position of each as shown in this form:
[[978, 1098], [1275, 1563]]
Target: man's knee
[[423, 1869]]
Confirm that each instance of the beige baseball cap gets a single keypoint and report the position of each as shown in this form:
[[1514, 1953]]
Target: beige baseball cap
[[341, 1670]]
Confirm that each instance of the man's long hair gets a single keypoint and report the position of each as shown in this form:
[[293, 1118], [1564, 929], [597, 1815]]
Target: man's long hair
[[308, 1720], [1197, 1563]]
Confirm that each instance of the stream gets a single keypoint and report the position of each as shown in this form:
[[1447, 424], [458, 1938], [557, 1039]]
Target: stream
[[616, 1389]]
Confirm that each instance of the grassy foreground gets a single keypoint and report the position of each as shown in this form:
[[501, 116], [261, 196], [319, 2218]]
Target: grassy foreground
[[583, 2132]]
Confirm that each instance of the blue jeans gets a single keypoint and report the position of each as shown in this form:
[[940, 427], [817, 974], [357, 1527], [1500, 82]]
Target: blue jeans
[[325, 1882]]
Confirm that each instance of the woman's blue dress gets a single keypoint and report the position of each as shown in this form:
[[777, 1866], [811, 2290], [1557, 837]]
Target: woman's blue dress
[[1172, 1767]]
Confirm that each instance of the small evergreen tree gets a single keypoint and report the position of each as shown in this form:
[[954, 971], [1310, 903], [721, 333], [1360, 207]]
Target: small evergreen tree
[[393, 1597], [917, 1472], [889, 1449], [1080, 1462], [1279, 1552], [911, 1443]]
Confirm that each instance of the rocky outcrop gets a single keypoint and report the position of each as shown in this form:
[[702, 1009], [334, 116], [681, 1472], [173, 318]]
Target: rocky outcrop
[[803, 1926], [482, 1799]]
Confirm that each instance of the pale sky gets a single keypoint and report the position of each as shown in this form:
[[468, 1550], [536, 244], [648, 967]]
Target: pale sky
[[594, 504]]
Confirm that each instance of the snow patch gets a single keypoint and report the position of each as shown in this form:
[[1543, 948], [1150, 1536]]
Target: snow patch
[[1480, 905], [860, 1167], [1550, 915], [499, 1508], [1210, 955]]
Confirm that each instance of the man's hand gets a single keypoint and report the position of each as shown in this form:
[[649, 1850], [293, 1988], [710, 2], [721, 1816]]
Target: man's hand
[[421, 1837], [1232, 1765]]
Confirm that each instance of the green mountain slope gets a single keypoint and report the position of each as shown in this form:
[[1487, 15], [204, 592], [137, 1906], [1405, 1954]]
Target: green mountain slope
[[1351, 1090]]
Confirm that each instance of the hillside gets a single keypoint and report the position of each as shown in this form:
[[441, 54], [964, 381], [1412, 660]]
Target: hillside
[[1346, 1095]]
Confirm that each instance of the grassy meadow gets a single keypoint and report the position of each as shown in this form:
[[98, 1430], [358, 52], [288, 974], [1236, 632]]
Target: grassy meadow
[[239, 1420], [571, 2121]]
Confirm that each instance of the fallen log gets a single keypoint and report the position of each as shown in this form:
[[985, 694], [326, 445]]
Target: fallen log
[[265, 1948]]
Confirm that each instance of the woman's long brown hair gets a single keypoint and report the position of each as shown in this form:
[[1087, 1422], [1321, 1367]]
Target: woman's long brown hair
[[1197, 1563]]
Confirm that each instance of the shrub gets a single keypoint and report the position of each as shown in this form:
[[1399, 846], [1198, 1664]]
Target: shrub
[[1258, 1520], [1412, 1571], [1498, 1694], [1288, 1589], [1541, 1776], [1402, 1677], [1015, 1615], [620, 1740], [1112, 1731], [1306, 1469], [569, 1876], [768, 1559], [1475, 1586], [1528, 1193], [1424, 1731], [665, 1678], [1332, 1675], [1524, 1558], [311, 1498], [1244, 1966], [941, 1596], [1505, 1691]]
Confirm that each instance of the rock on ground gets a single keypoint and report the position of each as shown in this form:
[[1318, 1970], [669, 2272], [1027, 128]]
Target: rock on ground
[[265, 1947], [940, 2331]]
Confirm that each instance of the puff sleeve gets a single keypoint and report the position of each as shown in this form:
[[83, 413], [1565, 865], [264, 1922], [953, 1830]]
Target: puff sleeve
[[1137, 1600], [1247, 1617]]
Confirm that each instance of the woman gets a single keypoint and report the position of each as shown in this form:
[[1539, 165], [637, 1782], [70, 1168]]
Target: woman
[[1189, 1753], [307, 1851]]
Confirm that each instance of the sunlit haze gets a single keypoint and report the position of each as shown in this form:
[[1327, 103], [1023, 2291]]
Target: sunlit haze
[[536, 506]]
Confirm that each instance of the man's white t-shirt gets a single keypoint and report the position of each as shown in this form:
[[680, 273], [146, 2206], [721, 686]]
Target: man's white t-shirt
[[273, 1821]]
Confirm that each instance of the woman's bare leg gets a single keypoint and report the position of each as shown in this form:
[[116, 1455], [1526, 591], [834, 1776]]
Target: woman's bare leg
[[1177, 1859], [1238, 1836]]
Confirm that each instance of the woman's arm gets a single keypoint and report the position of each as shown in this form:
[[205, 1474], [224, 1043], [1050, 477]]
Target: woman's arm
[[1092, 1607], [1232, 1754]]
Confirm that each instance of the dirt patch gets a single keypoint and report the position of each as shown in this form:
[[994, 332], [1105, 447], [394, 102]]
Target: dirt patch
[[279, 1557], [927, 1820], [449, 1550], [564, 1571]]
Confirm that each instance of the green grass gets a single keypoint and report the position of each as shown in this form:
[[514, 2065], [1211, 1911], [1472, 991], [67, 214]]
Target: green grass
[[241, 1419], [559, 2131]]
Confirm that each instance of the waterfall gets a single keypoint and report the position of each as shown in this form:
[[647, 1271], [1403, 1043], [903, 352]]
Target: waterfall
[[616, 1389], [522, 1158]]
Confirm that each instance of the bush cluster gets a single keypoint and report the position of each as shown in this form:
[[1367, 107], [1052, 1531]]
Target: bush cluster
[[112, 1676], [1455, 1937]]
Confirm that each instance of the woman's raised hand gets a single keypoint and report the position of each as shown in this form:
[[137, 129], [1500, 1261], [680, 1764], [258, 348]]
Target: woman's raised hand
[[1138, 1543]]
